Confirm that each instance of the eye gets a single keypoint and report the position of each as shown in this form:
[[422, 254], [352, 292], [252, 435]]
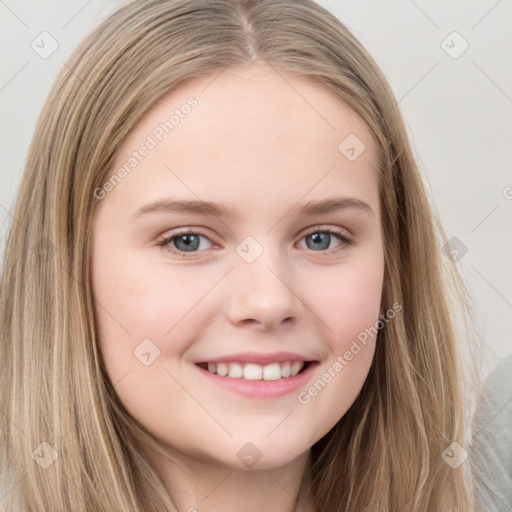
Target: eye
[[184, 241], [320, 239], [188, 241]]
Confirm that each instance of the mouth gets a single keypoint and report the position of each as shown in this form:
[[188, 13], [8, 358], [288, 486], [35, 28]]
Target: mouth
[[271, 380], [281, 370]]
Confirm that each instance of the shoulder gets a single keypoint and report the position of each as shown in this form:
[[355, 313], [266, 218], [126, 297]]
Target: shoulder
[[492, 440], [495, 406]]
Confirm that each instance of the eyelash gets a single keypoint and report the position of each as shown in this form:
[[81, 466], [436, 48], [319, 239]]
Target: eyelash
[[345, 241]]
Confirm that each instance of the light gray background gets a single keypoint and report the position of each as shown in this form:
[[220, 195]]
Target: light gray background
[[457, 111]]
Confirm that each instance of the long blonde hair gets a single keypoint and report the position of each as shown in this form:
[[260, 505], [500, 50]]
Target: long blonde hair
[[67, 442]]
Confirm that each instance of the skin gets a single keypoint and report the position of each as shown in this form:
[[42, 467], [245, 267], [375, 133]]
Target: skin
[[261, 144]]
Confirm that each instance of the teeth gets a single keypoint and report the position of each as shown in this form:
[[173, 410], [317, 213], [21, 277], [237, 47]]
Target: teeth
[[296, 368], [272, 372], [252, 371], [222, 369], [236, 371]]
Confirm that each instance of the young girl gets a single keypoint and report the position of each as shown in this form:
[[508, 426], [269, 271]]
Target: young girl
[[224, 288]]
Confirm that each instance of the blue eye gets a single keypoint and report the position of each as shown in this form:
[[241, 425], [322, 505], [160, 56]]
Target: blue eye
[[319, 240], [183, 242]]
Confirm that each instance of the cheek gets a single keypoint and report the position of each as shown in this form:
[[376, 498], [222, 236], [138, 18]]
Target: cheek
[[146, 317], [350, 310], [145, 298], [136, 302], [350, 299]]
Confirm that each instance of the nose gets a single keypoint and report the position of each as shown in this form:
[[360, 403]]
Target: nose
[[261, 294]]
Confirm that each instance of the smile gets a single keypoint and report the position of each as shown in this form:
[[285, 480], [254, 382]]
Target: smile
[[253, 380], [254, 371]]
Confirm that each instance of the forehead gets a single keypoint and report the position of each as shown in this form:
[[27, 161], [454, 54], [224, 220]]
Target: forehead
[[254, 125]]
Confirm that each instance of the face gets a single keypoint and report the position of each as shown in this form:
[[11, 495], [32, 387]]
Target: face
[[245, 238]]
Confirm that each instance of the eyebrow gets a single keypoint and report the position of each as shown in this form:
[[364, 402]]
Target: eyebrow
[[214, 209]]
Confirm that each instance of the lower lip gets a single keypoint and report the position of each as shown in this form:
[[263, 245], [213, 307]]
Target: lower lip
[[261, 388]]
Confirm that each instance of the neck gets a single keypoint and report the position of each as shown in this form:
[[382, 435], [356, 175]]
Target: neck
[[209, 486]]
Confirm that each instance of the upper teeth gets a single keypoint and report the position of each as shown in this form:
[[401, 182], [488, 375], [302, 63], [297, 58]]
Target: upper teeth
[[252, 371]]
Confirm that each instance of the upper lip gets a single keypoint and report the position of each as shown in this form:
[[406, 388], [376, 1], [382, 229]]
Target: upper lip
[[257, 357]]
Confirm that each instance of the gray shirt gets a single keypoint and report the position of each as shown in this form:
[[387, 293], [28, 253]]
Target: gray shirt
[[492, 441]]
